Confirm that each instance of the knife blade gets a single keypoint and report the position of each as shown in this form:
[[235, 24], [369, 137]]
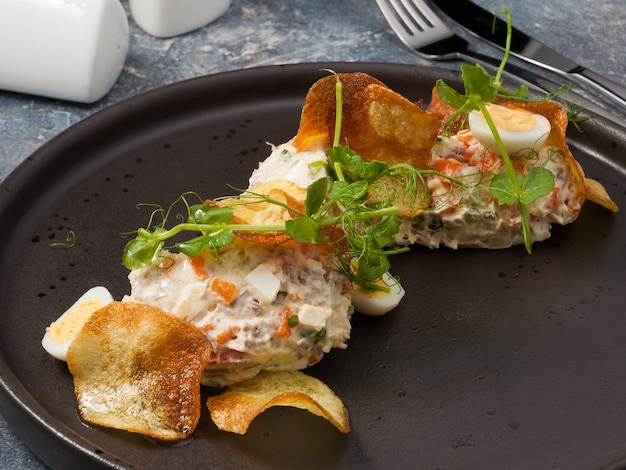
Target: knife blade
[[485, 25]]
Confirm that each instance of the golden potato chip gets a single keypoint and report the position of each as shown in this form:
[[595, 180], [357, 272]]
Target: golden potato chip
[[596, 193], [138, 369], [383, 125], [234, 410], [252, 208], [317, 122], [444, 111], [377, 123]]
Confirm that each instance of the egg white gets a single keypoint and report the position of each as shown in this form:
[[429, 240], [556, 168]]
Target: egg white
[[81, 310], [375, 302], [521, 131]]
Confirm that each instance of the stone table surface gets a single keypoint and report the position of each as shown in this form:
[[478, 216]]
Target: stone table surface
[[256, 33]]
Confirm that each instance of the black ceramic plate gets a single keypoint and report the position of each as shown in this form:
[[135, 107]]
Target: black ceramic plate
[[495, 359]]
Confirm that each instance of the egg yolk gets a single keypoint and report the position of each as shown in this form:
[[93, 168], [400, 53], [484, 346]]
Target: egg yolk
[[65, 329], [372, 293], [520, 130], [512, 120]]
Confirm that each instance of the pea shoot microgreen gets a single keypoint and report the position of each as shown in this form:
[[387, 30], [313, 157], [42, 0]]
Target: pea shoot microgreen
[[354, 203], [366, 231], [354, 210], [70, 241], [511, 186]]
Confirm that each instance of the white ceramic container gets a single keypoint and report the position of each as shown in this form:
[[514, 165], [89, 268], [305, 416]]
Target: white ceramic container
[[167, 18], [67, 49]]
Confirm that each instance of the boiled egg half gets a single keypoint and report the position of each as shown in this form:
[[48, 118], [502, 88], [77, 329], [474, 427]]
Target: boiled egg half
[[60, 334], [378, 302], [520, 130]]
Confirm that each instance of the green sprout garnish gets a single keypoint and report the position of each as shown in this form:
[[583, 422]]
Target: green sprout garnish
[[70, 241], [365, 229], [354, 210], [509, 187]]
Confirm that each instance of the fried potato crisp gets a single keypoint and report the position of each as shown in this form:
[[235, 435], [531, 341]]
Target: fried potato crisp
[[138, 369], [253, 208], [383, 125], [235, 409], [597, 193], [317, 122], [377, 123], [437, 107], [587, 188]]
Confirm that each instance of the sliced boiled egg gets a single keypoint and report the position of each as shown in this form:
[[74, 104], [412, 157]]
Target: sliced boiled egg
[[520, 130], [378, 302], [60, 334]]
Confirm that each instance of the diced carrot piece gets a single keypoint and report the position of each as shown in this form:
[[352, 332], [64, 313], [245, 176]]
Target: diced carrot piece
[[197, 263], [225, 289], [225, 336], [282, 329], [447, 167]]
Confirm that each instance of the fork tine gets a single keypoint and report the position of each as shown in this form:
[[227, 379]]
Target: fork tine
[[414, 22], [404, 18], [414, 17]]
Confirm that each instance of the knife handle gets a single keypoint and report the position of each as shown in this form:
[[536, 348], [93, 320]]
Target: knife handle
[[612, 90]]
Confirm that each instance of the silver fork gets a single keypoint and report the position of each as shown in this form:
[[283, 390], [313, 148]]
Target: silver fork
[[422, 31], [419, 28]]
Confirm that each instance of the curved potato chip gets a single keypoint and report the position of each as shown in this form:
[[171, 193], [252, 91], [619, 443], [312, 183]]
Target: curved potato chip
[[317, 122], [378, 123], [253, 209], [596, 193], [234, 410], [138, 369], [383, 125], [444, 111]]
